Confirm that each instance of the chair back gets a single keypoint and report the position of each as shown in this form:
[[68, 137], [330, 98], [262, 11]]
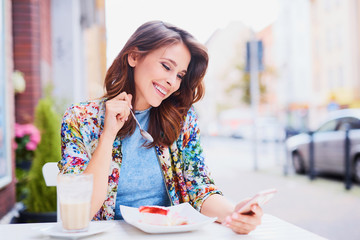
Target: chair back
[[50, 171]]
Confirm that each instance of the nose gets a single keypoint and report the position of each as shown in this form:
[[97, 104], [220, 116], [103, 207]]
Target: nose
[[171, 79]]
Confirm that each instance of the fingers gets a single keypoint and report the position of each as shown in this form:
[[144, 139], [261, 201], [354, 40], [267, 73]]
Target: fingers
[[257, 210], [119, 106], [244, 223], [117, 111], [124, 97], [239, 226]]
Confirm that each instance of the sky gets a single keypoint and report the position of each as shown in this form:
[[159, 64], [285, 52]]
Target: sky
[[199, 17]]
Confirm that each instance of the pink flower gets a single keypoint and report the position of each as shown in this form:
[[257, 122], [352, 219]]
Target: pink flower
[[27, 138], [19, 130], [35, 137], [29, 129], [31, 146]]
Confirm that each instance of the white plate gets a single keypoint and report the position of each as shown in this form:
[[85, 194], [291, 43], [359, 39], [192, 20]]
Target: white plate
[[94, 228], [196, 220]]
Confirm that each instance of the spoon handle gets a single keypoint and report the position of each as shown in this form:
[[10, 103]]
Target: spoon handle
[[143, 133], [135, 119]]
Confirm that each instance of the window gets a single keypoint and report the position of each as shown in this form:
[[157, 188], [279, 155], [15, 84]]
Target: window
[[328, 126], [5, 156], [352, 122]]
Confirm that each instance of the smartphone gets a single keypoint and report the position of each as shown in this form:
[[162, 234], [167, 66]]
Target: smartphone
[[260, 198]]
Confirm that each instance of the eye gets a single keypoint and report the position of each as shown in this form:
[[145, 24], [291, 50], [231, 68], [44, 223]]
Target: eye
[[165, 66], [181, 77]]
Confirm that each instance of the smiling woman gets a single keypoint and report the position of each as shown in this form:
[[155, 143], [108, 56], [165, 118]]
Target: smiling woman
[[159, 74], [169, 56]]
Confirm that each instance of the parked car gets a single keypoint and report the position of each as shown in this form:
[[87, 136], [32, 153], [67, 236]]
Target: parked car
[[329, 145]]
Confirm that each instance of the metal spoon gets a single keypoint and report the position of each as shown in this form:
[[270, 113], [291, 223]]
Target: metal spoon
[[143, 133]]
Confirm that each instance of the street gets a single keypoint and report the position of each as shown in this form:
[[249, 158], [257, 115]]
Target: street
[[322, 206]]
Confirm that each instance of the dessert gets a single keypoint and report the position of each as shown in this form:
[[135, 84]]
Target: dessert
[[162, 216]]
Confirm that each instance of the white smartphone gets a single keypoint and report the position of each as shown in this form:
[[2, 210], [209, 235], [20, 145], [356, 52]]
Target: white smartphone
[[260, 198]]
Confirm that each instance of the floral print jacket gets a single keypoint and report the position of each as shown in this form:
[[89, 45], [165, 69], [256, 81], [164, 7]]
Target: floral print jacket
[[186, 176]]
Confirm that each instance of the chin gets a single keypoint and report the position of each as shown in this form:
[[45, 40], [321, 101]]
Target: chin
[[155, 103]]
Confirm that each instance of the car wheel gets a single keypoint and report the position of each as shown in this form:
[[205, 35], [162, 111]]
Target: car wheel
[[357, 169], [298, 163]]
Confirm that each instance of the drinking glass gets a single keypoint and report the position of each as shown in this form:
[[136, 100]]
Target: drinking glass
[[75, 199]]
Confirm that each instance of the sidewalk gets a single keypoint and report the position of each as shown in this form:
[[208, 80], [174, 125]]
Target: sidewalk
[[322, 206]]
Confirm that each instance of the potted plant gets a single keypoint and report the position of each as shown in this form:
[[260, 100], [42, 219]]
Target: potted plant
[[27, 137], [40, 200]]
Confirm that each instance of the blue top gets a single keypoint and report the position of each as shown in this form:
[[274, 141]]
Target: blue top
[[140, 172]]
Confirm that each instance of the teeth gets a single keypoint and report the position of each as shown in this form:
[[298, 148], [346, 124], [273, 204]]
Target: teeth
[[161, 90]]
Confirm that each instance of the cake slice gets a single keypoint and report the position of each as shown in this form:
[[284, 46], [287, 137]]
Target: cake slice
[[162, 216]]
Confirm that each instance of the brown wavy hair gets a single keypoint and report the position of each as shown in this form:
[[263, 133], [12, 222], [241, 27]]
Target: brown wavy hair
[[165, 120]]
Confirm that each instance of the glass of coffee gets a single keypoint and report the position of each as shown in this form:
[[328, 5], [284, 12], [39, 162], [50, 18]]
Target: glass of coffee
[[75, 197]]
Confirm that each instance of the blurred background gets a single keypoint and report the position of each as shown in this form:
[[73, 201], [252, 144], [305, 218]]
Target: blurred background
[[280, 72]]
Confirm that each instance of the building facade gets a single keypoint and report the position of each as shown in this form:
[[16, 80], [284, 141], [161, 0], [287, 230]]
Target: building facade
[[51, 42], [32, 52], [269, 76], [7, 115], [227, 52], [292, 56], [317, 52], [79, 49], [335, 46]]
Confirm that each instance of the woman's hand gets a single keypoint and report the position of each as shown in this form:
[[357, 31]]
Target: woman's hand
[[243, 223], [116, 113], [218, 206]]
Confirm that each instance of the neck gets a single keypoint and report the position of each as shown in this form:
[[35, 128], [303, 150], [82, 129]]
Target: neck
[[141, 105]]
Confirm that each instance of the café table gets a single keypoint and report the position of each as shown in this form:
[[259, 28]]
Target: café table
[[271, 228]]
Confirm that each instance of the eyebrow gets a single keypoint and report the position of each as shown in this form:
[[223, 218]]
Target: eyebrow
[[174, 63]]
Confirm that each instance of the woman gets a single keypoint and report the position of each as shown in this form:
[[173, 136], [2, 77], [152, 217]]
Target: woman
[[159, 75]]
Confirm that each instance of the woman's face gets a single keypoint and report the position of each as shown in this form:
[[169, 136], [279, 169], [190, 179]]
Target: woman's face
[[158, 74]]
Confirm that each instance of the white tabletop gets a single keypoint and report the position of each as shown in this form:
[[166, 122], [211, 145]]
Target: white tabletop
[[271, 228]]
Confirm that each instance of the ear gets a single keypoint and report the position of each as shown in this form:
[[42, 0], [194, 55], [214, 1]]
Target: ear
[[133, 57]]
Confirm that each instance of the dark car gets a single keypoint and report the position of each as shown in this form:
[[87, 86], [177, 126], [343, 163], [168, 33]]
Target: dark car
[[329, 145]]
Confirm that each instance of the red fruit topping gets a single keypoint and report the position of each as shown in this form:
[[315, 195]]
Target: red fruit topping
[[155, 210]]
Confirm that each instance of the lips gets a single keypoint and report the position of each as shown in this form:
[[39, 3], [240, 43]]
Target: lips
[[163, 91]]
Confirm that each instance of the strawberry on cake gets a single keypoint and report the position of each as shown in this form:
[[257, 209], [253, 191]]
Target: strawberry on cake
[[162, 216]]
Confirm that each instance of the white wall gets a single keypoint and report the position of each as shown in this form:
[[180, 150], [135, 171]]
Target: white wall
[[293, 55], [69, 74], [293, 51]]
